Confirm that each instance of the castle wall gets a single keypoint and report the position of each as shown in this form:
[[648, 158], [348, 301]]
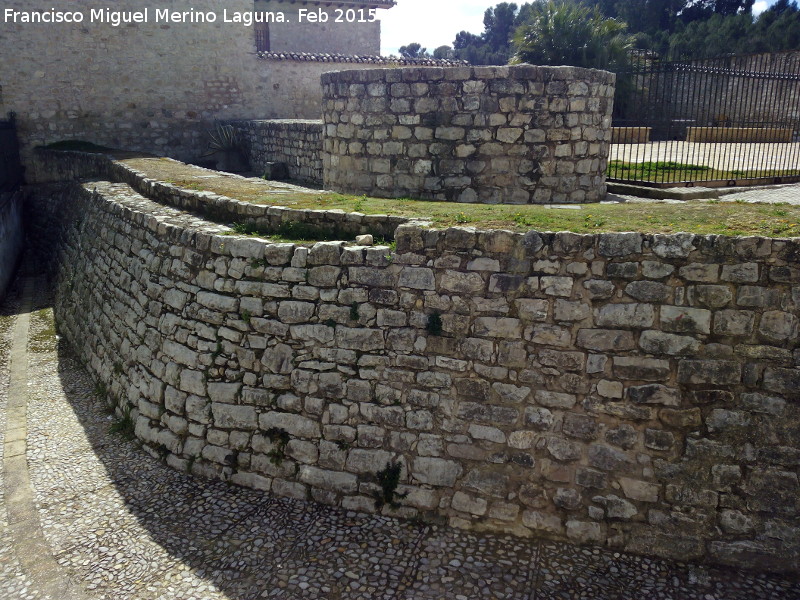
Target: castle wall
[[333, 34], [520, 134], [297, 144], [627, 390], [151, 87]]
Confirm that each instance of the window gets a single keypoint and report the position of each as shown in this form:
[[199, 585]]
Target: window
[[262, 36]]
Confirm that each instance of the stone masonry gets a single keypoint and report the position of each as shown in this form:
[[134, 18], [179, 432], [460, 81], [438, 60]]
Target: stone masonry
[[638, 391], [521, 134], [296, 143]]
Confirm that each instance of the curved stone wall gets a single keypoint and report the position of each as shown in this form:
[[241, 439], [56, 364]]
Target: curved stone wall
[[521, 134], [636, 391]]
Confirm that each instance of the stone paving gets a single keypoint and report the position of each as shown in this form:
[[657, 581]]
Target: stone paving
[[111, 522]]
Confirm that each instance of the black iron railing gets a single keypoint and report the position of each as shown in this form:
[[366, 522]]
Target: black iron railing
[[727, 120], [10, 166]]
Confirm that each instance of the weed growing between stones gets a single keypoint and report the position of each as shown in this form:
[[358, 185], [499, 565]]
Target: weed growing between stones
[[388, 479], [100, 389], [280, 438], [124, 425], [434, 326], [291, 231]]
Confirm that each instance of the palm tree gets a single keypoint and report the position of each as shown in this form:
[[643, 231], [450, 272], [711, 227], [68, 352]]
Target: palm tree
[[560, 32]]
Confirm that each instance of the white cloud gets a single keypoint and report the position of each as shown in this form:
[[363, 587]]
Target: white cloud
[[432, 23], [760, 6]]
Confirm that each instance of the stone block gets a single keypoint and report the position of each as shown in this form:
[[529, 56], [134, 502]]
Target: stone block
[[580, 426], [564, 450], [645, 369], [544, 522], [679, 319], [657, 342], [556, 286], [555, 399], [607, 458], [654, 394], [294, 425], [649, 291], [230, 416], [625, 316], [656, 439], [711, 296], [436, 471], [619, 244], [734, 322], [715, 372], [583, 532], [345, 483], [641, 491], [469, 504], [603, 340], [778, 326]]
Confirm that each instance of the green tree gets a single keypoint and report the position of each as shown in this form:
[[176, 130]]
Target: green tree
[[493, 46], [560, 32], [414, 50], [444, 52]]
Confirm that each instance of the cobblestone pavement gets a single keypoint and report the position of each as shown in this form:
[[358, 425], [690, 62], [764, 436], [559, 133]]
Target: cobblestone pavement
[[789, 194], [108, 521]]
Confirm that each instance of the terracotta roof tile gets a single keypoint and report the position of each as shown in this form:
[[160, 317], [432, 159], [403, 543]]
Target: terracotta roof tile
[[370, 60]]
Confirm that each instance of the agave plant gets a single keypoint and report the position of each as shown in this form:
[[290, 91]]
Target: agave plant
[[225, 141], [224, 138]]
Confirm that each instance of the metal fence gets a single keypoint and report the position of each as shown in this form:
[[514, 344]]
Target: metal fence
[[10, 167], [724, 121]]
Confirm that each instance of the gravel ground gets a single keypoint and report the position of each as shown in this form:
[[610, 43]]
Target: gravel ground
[[124, 526]]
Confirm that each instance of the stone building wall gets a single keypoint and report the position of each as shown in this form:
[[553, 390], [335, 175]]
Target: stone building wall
[[154, 87], [11, 236], [334, 35], [296, 143], [520, 134], [635, 391]]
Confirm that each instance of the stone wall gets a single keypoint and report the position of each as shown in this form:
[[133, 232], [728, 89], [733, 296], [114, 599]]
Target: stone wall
[[520, 134], [328, 36], [61, 166], [11, 236], [298, 144], [637, 391], [136, 87]]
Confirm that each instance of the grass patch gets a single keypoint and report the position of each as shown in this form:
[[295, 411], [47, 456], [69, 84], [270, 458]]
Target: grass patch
[[292, 232], [674, 172], [42, 336], [700, 217]]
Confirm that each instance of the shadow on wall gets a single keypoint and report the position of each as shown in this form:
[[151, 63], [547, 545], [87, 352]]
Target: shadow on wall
[[11, 237]]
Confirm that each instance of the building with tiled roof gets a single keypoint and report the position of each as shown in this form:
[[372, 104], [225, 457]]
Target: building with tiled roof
[[346, 27]]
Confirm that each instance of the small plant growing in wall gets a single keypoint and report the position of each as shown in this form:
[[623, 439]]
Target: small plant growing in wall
[[434, 326], [124, 425], [280, 438], [389, 479]]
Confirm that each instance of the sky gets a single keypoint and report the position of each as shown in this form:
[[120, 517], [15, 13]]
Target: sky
[[435, 23]]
